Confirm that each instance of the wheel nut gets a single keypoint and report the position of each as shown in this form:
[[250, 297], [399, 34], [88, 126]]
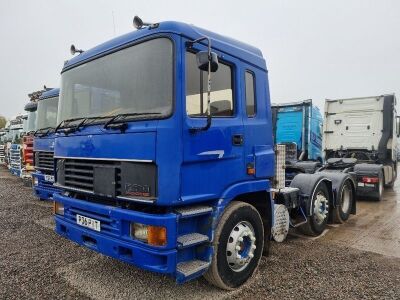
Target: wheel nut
[[253, 247], [251, 255], [252, 238], [240, 239], [237, 248]]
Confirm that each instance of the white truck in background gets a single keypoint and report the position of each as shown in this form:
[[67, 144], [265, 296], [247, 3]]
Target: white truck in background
[[360, 137]]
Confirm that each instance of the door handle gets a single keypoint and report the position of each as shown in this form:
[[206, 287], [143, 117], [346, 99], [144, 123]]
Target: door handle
[[237, 140]]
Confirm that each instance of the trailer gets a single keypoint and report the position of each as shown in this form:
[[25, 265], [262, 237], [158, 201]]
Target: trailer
[[165, 159], [43, 144], [360, 136]]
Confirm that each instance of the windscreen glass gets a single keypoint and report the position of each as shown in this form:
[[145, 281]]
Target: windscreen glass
[[47, 113], [30, 123], [138, 80]]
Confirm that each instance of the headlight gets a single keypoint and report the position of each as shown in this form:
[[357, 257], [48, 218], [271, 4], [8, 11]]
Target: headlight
[[35, 181], [153, 235], [58, 208]]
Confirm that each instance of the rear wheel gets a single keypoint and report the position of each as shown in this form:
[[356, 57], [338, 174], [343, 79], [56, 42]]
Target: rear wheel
[[394, 176], [238, 245], [342, 211], [316, 223], [379, 195]]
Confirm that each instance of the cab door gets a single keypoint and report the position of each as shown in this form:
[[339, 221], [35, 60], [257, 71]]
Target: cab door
[[213, 159]]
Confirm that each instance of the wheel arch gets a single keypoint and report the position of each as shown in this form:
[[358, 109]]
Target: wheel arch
[[307, 184]]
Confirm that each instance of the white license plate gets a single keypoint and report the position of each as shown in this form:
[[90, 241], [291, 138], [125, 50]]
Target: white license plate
[[370, 185], [360, 183], [49, 178], [88, 222]]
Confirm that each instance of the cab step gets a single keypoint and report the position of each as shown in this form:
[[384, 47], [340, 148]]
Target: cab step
[[190, 211], [192, 267], [191, 239]]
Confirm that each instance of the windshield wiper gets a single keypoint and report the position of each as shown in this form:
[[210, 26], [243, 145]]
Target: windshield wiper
[[47, 129], [72, 129], [120, 117], [66, 122]]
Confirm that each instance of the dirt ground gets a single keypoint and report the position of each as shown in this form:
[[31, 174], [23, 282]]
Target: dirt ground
[[356, 260]]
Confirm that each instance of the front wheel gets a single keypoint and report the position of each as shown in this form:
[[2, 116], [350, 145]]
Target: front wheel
[[238, 245], [316, 223]]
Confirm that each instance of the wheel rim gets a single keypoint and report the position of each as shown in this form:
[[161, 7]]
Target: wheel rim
[[321, 207], [240, 246], [346, 198]]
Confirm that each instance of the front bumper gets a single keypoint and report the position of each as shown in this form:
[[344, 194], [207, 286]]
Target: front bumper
[[114, 238], [44, 189]]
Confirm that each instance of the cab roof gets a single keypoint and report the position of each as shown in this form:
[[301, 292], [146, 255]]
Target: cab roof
[[240, 50], [50, 93]]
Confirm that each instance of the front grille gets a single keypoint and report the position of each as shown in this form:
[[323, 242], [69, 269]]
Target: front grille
[[115, 179], [15, 157], [44, 161], [2, 151], [79, 174]]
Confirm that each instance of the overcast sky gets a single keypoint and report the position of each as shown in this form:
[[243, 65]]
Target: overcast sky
[[314, 49]]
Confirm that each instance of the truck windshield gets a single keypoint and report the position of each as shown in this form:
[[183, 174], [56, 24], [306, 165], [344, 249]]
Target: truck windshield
[[47, 113], [30, 124], [136, 80]]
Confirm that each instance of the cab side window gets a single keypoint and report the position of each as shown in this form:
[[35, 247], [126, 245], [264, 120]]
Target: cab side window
[[250, 94], [196, 90]]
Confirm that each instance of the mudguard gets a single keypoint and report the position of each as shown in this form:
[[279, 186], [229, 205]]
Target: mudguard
[[307, 184], [368, 169], [337, 179]]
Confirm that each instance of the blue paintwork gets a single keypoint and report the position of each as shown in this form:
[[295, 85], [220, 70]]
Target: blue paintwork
[[44, 190], [186, 173], [50, 93], [290, 118]]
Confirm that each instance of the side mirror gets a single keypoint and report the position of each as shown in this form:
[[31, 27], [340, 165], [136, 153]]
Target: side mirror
[[202, 61]]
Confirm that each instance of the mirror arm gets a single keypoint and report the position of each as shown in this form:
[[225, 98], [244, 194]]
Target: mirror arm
[[208, 125]]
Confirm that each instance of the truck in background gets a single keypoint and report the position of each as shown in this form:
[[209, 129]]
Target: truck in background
[[43, 144], [3, 138], [16, 129], [298, 126], [165, 158], [27, 142], [360, 136]]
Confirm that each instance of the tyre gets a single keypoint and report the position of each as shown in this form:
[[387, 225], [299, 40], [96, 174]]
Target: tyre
[[343, 209], [238, 246], [391, 184], [316, 223], [379, 194]]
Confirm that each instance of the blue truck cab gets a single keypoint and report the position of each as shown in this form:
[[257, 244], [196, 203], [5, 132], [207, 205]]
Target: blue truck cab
[[299, 125], [43, 144], [164, 155]]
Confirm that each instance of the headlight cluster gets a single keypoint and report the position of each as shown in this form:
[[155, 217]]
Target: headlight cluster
[[152, 235]]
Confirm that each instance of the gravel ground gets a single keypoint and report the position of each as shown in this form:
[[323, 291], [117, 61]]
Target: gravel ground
[[36, 263]]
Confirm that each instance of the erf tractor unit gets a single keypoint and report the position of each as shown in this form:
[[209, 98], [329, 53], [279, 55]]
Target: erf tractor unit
[[3, 142], [27, 140], [298, 126], [360, 136], [165, 158], [16, 129], [43, 145]]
